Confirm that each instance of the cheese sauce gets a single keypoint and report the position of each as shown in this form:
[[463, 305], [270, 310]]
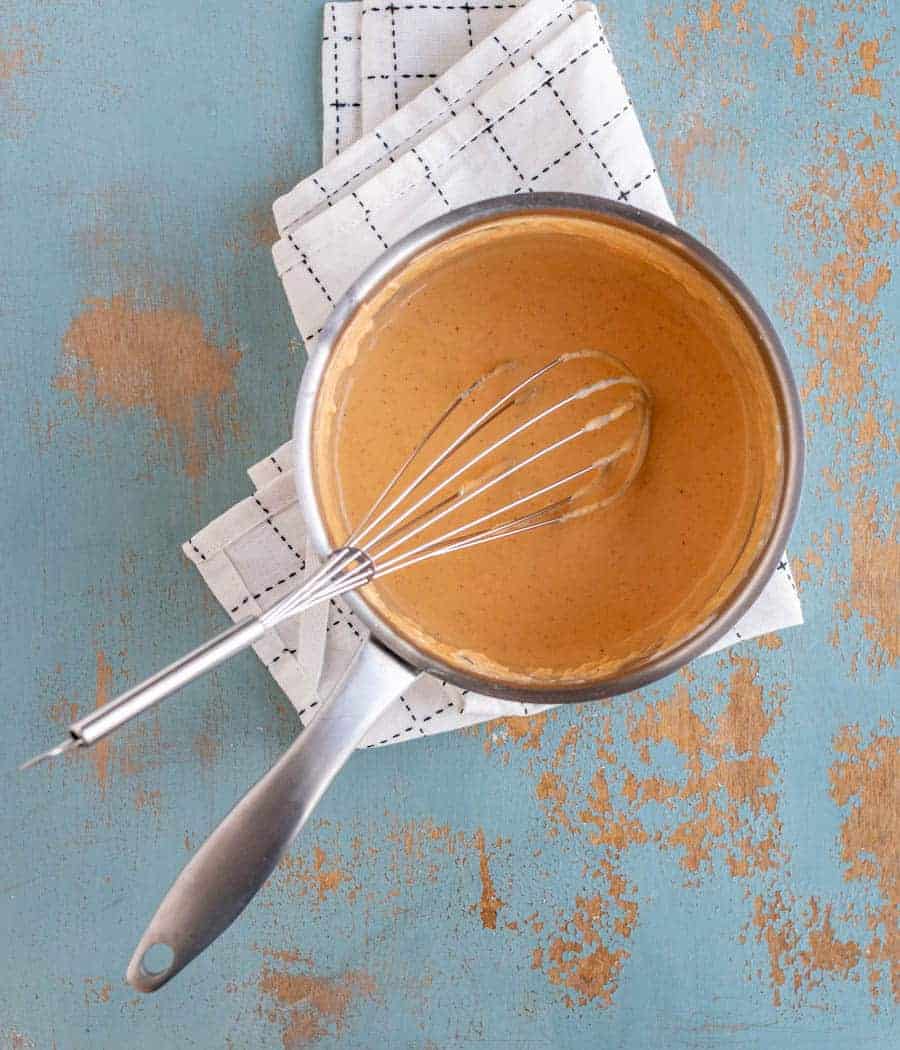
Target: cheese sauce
[[593, 596]]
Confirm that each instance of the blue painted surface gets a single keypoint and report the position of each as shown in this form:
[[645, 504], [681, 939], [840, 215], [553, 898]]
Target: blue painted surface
[[137, 147]]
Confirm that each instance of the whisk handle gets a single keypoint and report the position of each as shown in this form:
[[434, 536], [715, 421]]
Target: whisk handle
[[236, 860], [106, 719]]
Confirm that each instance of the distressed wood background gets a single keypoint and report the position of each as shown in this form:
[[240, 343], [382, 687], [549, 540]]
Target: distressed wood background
[[709, 863]]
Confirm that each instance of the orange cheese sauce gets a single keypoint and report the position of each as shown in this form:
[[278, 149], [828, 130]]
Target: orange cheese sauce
[[597, 594]]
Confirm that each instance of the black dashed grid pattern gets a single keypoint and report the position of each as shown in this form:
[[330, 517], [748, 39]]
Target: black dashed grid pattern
[[513, 42], [341, 80], [393, 37]]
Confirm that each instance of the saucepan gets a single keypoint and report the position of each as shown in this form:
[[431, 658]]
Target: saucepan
[[237, 859]]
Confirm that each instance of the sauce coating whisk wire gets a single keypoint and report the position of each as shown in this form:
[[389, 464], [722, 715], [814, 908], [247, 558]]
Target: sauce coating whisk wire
[[398, 530]]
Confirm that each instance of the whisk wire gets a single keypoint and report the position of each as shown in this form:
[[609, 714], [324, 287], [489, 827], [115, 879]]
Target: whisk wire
[[365, 557], [482, 421], [511, 435], [458, 503]]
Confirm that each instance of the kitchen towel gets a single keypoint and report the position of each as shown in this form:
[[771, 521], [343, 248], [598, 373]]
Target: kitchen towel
[[341, 77], [538, 103]]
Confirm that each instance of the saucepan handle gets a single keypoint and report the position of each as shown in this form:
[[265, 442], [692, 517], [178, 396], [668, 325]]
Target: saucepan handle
[[234, 862]]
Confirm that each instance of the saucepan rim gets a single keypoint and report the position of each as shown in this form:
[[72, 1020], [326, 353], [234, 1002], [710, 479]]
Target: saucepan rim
[[783, 384]]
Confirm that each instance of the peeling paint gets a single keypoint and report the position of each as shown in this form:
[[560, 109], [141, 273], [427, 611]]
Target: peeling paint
[[864, 781], [101, 753], [681, 149], [12, 63], [320, 878], [490, 903], [20, 54], [855, 201], [96, 990], [579, 960], [19, 1041], [709, 17], [260, 226], [868, 57], [127, 353], [206, 748], [526, 732], [875, 572], [552, 789], [308, 1007], [148, 800], [804, 18]]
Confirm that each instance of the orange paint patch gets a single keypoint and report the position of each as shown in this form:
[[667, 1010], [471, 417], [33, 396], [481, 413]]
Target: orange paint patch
[[846, 209], [864, 781], [868, 54], [260, 225], [490, 903], [681, 149], [868, 57], [579, 960], [870, 439], [745, 720], [147, 800], [826, 953], [803, 948], [552, 790], [775, 928], [869, 86], [285, 955], [12, 63], [418, 851], [206, 748], [875, 570], [122, 354], [18, 1041], [319, 878], [63, 712], [142, 749], [101, 753], [96, 990], [20, 53], [726, 803], [612, 826], [846, 34], [526, 731], [308, 1007], [675, 721], [207, 744], [867, 290], [709, 18], [566, 746], [804, 18], [677, 46]]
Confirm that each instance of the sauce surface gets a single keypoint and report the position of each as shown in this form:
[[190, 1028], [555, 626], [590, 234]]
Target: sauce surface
[[585, 599]]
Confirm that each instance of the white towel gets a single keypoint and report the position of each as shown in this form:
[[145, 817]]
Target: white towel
[[536, 103], [342, 98]]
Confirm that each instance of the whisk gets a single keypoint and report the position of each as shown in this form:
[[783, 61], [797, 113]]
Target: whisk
[[399, 529]]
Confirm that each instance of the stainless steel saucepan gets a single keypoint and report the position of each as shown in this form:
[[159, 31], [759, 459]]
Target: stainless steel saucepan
[[232, 865]]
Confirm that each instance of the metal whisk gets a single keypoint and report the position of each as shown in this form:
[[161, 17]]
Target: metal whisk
[[398, 530]]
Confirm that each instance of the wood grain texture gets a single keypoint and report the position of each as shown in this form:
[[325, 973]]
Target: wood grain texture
[[710, 863]]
